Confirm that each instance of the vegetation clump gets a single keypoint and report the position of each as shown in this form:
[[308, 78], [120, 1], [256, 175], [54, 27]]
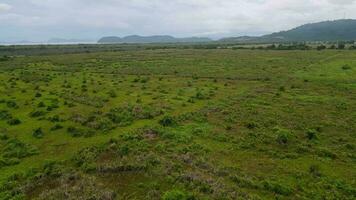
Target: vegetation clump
[[38, 133]]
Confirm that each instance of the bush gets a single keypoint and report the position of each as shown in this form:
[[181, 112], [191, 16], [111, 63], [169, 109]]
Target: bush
[[14, 148], [251, 125], [167, 121], [315, 170], [112, 94], [38, 133], [283, 136], [37, 113], [11, 104], [56, 127], [177, 195], [76, 132], [14, 121], [4, 114], [54, 118], [321, 47], [38, 95], [312, 134], [41, 105], [199, 95], [277, 188], [3, 136], [346, 67], [341, 46]]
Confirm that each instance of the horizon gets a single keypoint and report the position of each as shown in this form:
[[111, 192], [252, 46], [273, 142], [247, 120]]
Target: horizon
[[95, 41], [40, 21]]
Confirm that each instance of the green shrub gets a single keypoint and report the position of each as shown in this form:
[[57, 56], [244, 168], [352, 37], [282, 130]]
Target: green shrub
[[54, 118], [37, 113], [14, 148], [56, 127], [251, 125], [312, 134], [315, 170], [167, 121], [277, 188], [199, 95], [37, 95], [346, 67], [41, 105], [5, 115], [14, 121], [283, 136], [38, 133], [245, 182], [3, 136], [77, 132], [11, 104], [112, 94], [177, 195]]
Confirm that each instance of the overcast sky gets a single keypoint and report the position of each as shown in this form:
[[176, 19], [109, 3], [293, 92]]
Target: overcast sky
[[39, 20]]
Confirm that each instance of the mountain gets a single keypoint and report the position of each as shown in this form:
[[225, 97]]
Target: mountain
[[338, 30], [239, 39], [152, 39], [322, 31]]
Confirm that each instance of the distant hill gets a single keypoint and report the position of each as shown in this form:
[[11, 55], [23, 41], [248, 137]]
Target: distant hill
[[239, 39], [323, 31], [152, 39]]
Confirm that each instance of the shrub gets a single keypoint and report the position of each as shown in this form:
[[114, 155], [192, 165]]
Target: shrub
[[54, 118], [315, 170], [38, 133], [4, 58], [11, 104], [167, 121], [283, 136], [341, 46], [199, 95], [56, 127], [346, 67], [41, 105], [37, 113], [14, 148], [112, 94], [3, 136], [277, 188], [321, 47], [76, 132], [14, 121], [311, 134], [38, 94], [177, 195], [251, 125], [4, 114]]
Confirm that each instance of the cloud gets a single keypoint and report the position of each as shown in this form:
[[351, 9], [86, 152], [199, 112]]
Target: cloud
[[40, 19], [4, 7], [342, 2]]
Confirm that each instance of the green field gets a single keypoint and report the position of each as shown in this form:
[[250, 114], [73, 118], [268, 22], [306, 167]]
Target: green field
[[178, 124]]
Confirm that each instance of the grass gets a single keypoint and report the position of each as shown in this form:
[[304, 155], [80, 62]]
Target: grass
[[178, 124]]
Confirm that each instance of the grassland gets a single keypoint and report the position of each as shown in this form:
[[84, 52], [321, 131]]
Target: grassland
[[178, 124]]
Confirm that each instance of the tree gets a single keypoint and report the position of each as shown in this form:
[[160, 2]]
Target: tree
[[321, 47]]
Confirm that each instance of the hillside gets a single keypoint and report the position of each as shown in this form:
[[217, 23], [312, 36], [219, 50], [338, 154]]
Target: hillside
[[151, 39], [322, 31]]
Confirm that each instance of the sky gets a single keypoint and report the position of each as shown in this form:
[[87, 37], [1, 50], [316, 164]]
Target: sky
[[40, 20]]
